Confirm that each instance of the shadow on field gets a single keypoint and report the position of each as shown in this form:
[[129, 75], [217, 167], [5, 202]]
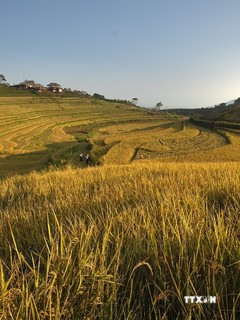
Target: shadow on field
[[55, 154]]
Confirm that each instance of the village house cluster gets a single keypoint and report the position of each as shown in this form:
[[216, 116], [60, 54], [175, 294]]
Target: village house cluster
[[54, 87], [51, 87]]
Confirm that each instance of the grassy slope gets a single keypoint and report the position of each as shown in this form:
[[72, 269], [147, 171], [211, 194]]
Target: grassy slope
[[6, 91], [40, 130], [230, 113], [116, 241]]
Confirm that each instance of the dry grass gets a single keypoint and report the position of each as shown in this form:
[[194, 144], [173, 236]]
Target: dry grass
[[121, 242]]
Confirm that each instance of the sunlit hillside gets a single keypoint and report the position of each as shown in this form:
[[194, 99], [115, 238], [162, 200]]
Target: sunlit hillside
[[152, 218], [39, 131]]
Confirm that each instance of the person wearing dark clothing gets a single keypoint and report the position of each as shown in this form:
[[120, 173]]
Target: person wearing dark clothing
[[81, 157], [87, 159]]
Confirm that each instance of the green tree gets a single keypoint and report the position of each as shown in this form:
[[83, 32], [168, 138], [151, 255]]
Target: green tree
[[2, 78], [29, 81], [158, 106], [98, 96], [53, 85], [237, 101], [134, 100]]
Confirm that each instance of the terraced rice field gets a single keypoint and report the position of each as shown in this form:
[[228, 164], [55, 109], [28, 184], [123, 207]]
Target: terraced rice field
[[36, 132], [115, 241], [168, 141]]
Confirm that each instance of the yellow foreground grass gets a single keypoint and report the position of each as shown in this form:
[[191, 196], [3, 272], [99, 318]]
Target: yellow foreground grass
[[121, 242]]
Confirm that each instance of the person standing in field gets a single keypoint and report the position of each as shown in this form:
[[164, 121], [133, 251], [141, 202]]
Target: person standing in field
[[87, 158], [81, 157]]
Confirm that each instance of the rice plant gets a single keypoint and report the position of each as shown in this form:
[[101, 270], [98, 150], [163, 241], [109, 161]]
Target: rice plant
[[121, 242]]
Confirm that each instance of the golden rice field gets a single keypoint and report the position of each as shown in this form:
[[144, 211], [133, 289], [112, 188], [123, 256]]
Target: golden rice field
[[127, 239], [121, 242], [167, 141], [34, 130]]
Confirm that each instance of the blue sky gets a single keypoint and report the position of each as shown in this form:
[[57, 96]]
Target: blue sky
[[184, 53]]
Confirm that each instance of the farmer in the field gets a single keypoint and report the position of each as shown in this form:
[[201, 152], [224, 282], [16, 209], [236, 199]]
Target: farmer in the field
[[81, 157], [87, 159]]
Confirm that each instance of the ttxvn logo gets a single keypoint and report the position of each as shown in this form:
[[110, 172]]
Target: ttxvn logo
[[200, 299]]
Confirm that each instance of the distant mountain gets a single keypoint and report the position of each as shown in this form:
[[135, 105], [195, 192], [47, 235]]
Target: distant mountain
[[226, 111], [229, 111]]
